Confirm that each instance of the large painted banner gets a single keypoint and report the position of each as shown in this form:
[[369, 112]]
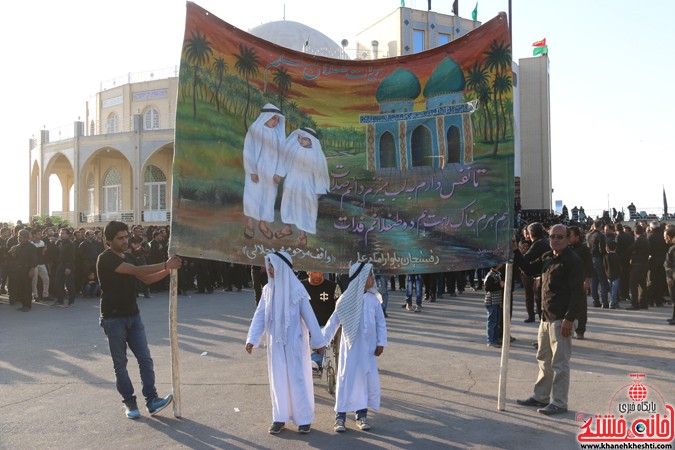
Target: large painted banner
[[406, 162]]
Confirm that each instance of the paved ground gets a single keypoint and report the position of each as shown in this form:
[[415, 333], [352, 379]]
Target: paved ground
[[439, 380]]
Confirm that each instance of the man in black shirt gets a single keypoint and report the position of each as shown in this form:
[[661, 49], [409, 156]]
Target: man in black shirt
[[562, 282], [598, 245], [65, 269], [322, 297], [639, 260], [23, 260], [121, 319]]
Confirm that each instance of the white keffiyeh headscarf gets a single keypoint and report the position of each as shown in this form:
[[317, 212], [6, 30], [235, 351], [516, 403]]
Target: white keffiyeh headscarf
[[349, 307], [285, 292]]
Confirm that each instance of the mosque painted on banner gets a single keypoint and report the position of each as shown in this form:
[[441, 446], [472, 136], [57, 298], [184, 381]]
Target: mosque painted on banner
[[402, 139]]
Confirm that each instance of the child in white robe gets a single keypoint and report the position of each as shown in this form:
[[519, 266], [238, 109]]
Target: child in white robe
[[285, 315], [364, 336]]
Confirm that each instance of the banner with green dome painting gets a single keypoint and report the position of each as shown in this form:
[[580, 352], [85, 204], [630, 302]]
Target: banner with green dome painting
[[406, 162]]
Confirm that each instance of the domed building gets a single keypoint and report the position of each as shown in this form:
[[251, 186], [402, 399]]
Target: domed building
[[300, 37], [400, 138]]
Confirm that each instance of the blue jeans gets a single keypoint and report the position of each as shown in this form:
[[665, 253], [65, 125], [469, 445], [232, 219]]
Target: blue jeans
[[123, 331], [360, 414], [381, 281], [417, 280], [615, 285], [599, 277], [494, 318]]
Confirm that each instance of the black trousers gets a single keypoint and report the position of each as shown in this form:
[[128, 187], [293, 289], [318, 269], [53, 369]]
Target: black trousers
[[638, 285], [23, 290]]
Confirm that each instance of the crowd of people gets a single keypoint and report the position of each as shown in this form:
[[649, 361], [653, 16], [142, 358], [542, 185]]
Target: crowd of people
[[558, 265]]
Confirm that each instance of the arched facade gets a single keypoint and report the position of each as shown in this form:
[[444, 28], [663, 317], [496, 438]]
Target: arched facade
[[107, 162]]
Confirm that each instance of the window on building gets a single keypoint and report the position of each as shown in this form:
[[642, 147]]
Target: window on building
[[418, 41], [151, 119], [154, 189], [421, 147], [111, 123], [454, 148], [90, 194], [443, 39], [387, 151], [112, 191]]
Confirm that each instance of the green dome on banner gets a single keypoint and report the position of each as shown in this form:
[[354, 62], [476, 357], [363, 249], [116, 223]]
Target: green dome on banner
[[400, 85], [446, 78]]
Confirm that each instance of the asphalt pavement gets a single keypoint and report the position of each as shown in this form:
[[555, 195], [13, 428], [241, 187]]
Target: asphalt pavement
[[439, 379]]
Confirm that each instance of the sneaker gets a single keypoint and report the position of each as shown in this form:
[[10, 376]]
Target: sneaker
[[131, 411], [276, 427], [339, 426], [304, 429], [597, 304], [417, 308], [363, 424], [493, 345], [605, 305], [408, 307], [157, 404], [579, 336], [529, 320]]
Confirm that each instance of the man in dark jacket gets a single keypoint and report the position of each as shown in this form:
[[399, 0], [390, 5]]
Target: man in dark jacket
[[624, 239], [597, 243], [584, 254], [23, 261], [657, 255], [639, 259], [562, 281], [538, 247], [65, 269]]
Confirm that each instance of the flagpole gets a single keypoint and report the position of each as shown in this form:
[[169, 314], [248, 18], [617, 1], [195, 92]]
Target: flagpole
[[511, 27]]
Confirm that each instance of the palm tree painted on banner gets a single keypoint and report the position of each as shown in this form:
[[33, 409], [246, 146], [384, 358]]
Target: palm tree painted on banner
[[197, 51], [283, 81], [502, 85], [247, 66], [221, 67], [478, 81], [497, 60]]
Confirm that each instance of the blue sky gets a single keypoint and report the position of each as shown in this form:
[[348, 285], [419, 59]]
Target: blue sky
[[611, 71]]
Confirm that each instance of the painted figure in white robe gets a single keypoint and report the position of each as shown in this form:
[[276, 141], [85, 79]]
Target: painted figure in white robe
[[262, 146], [285, 316], [364, 336], [306, 172]]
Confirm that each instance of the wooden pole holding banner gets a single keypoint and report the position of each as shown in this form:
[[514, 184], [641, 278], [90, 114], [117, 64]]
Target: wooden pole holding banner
[[173, 339], [506, 339]]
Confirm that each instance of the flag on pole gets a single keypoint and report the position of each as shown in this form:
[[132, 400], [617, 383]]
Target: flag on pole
[[455, 7], [540, 50], [540, 43], [665, 204], [474, 13]]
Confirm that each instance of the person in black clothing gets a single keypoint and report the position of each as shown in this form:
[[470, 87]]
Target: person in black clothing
[[65, 269], [539, 246], [624, 239], [639, 259], [121, 320], [23, 260], [11, 242], [669, 266], [259, 279], [323, 295], [562, 279], [612, 265], [5, 233], [656, 277], [584, 254], [597, 243]]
